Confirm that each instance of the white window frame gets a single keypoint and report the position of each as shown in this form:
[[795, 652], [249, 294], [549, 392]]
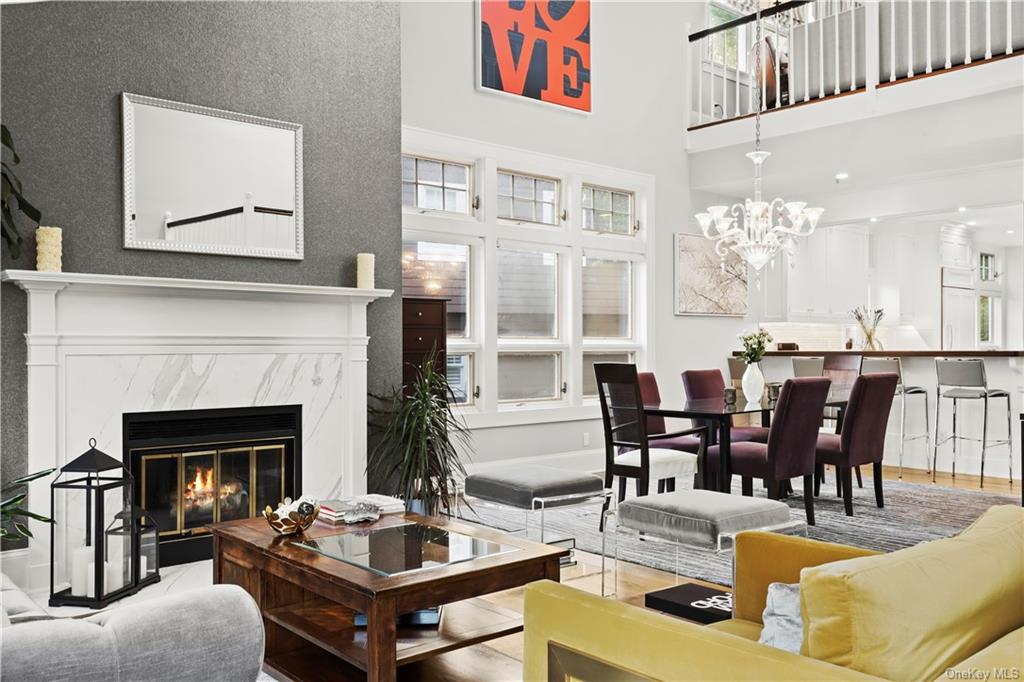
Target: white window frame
[[472, 194], [485, 231], [633, 222], [559, 206]]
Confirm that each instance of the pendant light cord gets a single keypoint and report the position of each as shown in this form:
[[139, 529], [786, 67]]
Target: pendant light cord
[[757, 79]]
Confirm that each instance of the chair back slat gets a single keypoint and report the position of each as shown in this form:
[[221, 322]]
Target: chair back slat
[[793, 438], [967, 373]]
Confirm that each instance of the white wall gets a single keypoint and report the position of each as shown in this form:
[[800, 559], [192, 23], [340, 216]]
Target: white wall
[[1013, 270], [637, 123]]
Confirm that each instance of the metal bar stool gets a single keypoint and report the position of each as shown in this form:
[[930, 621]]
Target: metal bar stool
[[966, 380], [895, 365]]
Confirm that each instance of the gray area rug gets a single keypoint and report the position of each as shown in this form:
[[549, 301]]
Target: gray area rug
[[913, 513]]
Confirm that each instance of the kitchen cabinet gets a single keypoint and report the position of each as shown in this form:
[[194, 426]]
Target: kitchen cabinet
[[830, 276], [958, 328]]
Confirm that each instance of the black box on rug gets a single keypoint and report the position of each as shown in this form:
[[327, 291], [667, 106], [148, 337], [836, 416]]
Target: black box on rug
[[693, 602]]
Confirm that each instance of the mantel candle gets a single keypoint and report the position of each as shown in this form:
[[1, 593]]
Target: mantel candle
[[364, 271], [48, 249]]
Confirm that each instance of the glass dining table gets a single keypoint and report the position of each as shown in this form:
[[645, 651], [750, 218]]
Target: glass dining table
[[720, 413]]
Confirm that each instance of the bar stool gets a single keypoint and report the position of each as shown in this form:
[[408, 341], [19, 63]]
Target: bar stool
[[895, 365], [966, 380]]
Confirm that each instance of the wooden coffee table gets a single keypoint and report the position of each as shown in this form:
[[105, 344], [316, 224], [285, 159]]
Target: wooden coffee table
[[309, 600]]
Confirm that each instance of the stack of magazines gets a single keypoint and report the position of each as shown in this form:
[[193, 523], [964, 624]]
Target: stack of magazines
[[358, 509]]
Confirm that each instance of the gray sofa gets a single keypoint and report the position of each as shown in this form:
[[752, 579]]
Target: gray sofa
[[214, 633]]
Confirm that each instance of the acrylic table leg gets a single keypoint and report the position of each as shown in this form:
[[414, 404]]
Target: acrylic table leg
[[381, 636]]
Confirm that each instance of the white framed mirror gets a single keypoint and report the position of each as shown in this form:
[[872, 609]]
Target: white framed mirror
[[203, 180]]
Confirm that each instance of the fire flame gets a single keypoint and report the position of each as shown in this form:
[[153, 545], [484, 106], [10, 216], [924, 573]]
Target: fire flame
[[199, 491]]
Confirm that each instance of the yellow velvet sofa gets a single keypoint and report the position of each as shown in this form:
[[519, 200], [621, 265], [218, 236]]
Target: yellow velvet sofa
[[952, 609]]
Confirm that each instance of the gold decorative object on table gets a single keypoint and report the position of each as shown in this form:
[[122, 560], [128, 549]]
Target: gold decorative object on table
[[292, 518], [868, 321], [49, 247]]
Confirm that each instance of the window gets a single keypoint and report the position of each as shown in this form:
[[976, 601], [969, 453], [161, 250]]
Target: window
[[460, 377], [435, 185], [442, 270], [590, 359], [527, 197], [526, 377], [607, 210], [607, 298], [988, 319], [527, 293], [987, 267]]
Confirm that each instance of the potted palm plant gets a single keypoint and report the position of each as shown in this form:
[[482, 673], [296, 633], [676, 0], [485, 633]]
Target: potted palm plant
[[421, 441], [12, 507]]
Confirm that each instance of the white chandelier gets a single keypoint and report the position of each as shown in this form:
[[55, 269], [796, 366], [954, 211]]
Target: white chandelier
[[756, 229]]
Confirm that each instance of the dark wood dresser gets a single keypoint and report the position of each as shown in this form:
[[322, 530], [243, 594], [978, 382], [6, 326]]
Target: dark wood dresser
[[424, 328]]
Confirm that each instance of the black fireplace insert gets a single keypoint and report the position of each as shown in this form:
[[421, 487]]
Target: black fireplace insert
[[197, 467]]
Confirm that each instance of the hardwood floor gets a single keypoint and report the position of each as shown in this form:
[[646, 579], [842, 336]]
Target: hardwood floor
[[500, 660]]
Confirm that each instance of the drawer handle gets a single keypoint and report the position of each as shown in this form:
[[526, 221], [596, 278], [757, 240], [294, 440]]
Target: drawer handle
[[419, 314], [419, 338]]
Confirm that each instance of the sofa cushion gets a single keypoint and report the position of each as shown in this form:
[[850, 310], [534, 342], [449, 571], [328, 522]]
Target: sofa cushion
[[783, 627], [518, 486], [700, 516], [18, 607], [912, 614], [1003, 655]]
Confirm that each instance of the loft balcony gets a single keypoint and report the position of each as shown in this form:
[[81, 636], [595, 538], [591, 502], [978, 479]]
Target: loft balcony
[[832, 62]]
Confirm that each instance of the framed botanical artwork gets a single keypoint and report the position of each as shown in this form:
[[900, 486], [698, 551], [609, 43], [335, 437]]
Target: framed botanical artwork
[[702, 285], [537, 49]]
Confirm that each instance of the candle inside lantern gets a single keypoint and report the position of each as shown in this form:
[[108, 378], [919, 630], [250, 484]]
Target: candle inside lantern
[[48, 249], [364, 271], [81, 559]]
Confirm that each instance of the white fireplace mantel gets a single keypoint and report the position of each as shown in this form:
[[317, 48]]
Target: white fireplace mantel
[[102, 345]]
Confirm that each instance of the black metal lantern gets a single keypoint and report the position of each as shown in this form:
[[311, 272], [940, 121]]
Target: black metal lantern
[[111, 551]]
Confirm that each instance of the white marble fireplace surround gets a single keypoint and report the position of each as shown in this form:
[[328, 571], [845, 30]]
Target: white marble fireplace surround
[[102, 345]]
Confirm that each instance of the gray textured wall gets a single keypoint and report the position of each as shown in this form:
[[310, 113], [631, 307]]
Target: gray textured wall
[[333, 67]]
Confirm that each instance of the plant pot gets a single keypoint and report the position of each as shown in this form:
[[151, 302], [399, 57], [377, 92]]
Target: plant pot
[[753, 383]]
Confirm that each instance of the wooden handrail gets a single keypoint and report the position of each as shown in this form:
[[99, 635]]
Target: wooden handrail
[[227, 212], [749, 18]]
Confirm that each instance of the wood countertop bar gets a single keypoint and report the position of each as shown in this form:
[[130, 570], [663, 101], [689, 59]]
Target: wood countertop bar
[[896, 353]]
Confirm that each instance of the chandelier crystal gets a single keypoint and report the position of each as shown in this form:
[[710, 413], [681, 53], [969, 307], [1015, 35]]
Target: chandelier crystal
[[757, 230]]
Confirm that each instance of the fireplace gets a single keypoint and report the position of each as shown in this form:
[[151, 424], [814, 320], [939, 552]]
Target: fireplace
[[197, 467]]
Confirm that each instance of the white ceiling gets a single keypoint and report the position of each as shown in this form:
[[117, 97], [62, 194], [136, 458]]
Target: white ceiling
[[992, 224]]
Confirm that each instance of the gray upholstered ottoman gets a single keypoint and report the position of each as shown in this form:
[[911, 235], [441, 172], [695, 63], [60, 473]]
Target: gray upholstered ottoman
[[535, 487], [702, 517]]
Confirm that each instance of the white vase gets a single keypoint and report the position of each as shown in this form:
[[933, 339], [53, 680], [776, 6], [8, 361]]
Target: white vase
[[753, 383]]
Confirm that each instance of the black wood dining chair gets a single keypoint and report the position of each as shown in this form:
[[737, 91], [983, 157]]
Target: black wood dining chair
[[630, 452]]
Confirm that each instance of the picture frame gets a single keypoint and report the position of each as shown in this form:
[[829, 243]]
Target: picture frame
[[702, 287]]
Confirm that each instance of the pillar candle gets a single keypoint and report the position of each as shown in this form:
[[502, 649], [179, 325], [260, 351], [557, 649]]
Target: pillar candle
[[115, 576], [91, 579], [48, 249], [143, 567], [364, 271], [81, 558]]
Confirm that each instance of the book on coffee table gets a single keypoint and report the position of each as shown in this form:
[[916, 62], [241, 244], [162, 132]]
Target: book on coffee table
[[693, 602]]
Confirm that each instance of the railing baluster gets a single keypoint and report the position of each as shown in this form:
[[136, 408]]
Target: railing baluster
[[892, 40], [700, 81], [910, 39], [789, 49], [736, 73], [821, 52], [1009, 30], [967, 33], [725, 81], [853, 49], [807, 59], [778, 66], [835, 18], [988, 29], [949, 21], [927, 36]]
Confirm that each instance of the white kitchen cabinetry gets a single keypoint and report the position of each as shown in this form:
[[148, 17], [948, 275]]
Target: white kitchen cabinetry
[[958, 316], [830, 276], [955, 247]]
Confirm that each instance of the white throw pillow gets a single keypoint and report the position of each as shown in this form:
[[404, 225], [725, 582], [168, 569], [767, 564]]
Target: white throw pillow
[[783, 626]]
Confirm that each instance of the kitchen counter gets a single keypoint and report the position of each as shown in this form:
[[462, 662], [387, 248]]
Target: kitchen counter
[[897, 353]]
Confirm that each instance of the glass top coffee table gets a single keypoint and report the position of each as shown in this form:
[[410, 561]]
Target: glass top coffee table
[[398, 550]]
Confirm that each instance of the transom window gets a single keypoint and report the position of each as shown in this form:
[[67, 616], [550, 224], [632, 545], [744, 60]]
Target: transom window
[[529, 198], [435, 185], [607, 210], [987, 267]]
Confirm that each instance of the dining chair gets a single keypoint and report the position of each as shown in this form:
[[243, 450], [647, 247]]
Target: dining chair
[[790, 450], [658, 431], [708, 383], [808, 367], [843, 369], [862, 440], [628, 449]]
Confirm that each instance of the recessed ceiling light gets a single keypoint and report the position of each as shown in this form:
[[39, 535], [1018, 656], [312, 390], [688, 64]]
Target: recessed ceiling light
[[962, 209], [1009, 232], [842, 175], [972, 223], [873, 219]]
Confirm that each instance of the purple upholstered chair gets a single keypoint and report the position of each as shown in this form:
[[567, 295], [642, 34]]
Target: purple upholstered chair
[[863, 436], [790, 450], [708, 383], [657, 432]]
